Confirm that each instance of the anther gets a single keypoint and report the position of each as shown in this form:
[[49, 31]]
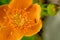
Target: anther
[[4, 9], [28, 12], [25, 8], [11, 33]]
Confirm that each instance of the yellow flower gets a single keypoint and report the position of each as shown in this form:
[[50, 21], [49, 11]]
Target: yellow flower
[[19, 18]]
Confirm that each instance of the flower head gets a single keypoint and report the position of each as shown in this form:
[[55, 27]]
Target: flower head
[[19, 18]]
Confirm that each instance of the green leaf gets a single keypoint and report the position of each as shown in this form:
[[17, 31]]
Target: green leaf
[[34, 37], [5, 1], [2, 2], [44, 10]]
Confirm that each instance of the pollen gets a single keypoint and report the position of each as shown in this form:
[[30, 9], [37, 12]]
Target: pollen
[[17, 20], [11, 33]]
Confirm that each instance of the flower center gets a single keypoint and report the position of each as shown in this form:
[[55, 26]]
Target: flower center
[[15, 17], [17, 20]]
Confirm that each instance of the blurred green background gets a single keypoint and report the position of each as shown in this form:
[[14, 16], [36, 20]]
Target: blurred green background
[[4, 2]]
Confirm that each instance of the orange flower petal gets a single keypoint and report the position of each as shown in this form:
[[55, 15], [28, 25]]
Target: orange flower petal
[[34, 12], [5, 33], [3, 10], [16, 35], [10, 34], [20, 4], [34, 29]]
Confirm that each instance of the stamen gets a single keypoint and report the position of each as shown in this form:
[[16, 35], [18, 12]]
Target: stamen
[[28, 12], [11, 33], [25, 8], [4, 9], [18, 20]]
